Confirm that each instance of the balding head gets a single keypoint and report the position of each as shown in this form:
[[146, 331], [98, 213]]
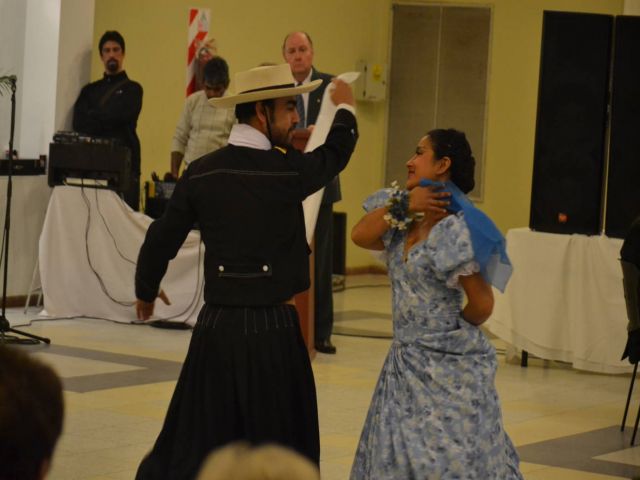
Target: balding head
[[297, 50]]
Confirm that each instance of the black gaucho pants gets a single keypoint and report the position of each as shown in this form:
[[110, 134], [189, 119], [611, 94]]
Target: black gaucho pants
[[247, 376]]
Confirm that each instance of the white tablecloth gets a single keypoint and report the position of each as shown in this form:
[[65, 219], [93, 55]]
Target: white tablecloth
[[88, 249], [565, 300]]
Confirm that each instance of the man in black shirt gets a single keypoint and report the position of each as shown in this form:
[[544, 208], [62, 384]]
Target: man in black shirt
[[247, 374], [110, 107]]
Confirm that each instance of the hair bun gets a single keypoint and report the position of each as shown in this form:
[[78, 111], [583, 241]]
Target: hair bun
[[453, 143]]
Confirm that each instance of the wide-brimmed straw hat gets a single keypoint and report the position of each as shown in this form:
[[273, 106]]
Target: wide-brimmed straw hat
[[263, 83]]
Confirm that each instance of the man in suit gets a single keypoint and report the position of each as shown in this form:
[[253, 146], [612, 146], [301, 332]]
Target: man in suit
[[297, 50]]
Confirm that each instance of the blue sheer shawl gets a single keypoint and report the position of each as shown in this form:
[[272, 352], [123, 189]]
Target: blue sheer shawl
[[489, 246]]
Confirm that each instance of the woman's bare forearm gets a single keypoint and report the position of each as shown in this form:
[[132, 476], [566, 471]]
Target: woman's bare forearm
[[368, 232], [479, 299]]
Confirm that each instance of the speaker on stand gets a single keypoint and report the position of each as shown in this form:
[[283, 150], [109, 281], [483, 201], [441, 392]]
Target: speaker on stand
[[623, 180], [570, 140]]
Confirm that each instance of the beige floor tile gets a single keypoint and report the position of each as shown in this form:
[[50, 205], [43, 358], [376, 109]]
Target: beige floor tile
[[107, 432], [69, 367], [155, 410], [160, 392], [80, 466], [337, 468], [564, 474], [553, 426], [526, 468], [330, 451], [630, 456], [124, 475]]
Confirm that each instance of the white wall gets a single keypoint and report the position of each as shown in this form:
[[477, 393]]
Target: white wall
[[39, 77], [74, 57], [47, 44], [12, 24]]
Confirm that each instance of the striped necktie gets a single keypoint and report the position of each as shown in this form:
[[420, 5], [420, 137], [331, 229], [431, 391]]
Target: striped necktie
[[300, 107]]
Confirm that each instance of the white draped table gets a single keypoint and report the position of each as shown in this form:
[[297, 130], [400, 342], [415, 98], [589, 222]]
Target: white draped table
[[565, 300], [88, 249]]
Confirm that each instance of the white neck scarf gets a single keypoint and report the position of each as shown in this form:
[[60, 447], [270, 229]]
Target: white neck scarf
[[243, 135]]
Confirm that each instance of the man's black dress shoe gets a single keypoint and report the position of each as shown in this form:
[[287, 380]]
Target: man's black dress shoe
[[325, 346]]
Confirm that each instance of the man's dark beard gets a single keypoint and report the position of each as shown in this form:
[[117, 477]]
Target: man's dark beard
[[290, 135], [112, 66]]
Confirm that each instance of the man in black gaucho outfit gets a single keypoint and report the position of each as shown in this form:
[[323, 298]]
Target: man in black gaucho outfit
[[247, 374]]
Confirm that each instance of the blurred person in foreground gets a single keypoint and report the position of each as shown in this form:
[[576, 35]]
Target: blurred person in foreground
[[31, 415], [239, 461]]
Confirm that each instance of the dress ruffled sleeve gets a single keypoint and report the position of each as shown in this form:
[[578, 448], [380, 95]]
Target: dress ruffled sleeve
[[378, 200], [450, 250]]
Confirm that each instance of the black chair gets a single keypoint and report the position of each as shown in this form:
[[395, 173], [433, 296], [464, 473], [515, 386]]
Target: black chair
[[630, 262]]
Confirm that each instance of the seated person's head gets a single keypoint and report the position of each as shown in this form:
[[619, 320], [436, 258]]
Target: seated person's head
[[31, 415], [239, 461], [216, 77], [443, 155]]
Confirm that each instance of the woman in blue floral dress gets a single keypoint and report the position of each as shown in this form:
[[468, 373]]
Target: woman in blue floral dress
[[435, 412]]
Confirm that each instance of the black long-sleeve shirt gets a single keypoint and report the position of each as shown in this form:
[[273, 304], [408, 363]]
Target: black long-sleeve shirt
[[109, 108], [248, 204]]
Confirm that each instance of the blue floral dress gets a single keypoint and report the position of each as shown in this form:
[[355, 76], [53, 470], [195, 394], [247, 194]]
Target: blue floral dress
[[435, 412]]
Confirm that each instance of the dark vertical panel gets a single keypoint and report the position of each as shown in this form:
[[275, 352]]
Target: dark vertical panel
[[570, 142], [623, 188], [438, 78], [339, 243], [462, 89], [412, 83]]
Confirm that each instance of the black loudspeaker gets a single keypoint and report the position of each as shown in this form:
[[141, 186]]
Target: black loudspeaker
[[93, 161], [623, 186], [339, 243], [570, 142]]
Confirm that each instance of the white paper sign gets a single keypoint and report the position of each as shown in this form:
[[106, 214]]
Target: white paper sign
[[311, 204]]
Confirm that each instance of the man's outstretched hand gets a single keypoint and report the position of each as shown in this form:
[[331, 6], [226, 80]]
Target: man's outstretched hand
[[341, 93], [144, 310]]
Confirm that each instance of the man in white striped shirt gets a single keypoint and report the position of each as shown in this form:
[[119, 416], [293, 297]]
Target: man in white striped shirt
[[203, 128]]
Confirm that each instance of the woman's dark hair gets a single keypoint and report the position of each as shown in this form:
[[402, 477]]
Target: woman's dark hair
[[246, 111], [454, 144], [111, 36], [216, 72]]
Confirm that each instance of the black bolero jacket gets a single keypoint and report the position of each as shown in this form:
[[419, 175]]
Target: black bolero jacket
[[248, 205]]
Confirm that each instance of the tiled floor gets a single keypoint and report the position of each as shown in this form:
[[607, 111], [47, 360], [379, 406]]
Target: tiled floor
[[119, 379]]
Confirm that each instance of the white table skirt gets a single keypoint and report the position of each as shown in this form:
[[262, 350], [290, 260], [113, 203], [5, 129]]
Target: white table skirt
[[565, 300], [91, 236]]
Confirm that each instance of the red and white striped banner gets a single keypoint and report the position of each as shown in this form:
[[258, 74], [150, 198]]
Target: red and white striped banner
[[199, 21]]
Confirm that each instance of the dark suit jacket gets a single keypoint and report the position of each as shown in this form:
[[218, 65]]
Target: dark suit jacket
[[332, 189]]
